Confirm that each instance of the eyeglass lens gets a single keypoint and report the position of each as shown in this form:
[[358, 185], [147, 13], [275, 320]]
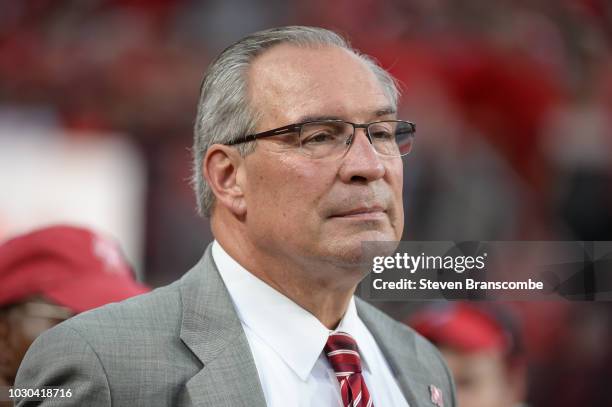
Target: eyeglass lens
[[389, 138]]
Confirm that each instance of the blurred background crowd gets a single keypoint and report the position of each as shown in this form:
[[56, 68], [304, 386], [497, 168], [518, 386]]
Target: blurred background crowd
[[512, 101]]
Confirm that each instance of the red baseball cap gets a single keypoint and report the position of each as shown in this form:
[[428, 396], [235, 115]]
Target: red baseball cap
[[461, 326], [71, 266]]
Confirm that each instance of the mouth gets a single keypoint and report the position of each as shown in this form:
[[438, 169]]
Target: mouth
[[373, 212]]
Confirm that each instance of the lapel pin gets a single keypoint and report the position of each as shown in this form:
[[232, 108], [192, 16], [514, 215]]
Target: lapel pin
[[436, 396]]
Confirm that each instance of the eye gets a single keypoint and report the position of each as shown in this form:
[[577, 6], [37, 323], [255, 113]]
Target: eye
[[322, 133], [382, 131], [321, 137], [382, 135]]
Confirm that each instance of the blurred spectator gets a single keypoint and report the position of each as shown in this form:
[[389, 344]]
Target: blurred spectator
[[483, 349], [49, 275]]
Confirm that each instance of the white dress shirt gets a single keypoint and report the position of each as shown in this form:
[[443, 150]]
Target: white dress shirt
[[287, 344]]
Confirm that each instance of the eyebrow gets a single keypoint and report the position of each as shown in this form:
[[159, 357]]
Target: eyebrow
[[385, 111], [313, 118]]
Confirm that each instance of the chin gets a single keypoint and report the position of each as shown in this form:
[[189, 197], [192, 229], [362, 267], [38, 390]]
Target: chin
[[350, 250], [384, 234]]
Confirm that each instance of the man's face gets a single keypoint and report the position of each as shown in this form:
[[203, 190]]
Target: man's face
[[309, 210]]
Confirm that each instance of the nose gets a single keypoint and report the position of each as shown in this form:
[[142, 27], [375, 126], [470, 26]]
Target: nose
[[361, 163]]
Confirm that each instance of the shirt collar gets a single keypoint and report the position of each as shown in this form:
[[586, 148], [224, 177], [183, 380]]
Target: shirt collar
[[296, 335]]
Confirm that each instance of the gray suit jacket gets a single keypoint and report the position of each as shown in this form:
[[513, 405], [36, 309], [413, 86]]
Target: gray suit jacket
[[183, 345]]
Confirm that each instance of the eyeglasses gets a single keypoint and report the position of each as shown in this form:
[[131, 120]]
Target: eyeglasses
[[333, 138]]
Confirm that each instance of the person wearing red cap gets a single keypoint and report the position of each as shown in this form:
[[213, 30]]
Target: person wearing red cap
[[482, 346], [49, 275]]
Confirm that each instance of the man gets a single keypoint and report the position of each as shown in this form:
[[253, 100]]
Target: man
[[49, 275], [483, 348], [268, 317]]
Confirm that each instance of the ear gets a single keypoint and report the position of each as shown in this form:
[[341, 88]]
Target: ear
[[223, 168]]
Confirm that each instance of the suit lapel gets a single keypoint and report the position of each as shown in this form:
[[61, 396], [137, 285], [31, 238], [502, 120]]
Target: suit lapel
[[211, 329], [390, 339]]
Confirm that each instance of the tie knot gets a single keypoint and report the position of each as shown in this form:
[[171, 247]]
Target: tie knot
[[342, 352]]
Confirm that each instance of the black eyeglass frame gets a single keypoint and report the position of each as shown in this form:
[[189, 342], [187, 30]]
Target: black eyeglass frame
[[297, 127]]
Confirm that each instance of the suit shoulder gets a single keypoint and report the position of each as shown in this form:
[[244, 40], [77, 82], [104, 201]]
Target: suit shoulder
[[62, 358], [155, 310]]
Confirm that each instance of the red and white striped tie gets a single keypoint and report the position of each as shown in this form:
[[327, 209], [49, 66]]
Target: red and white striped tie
[[343, 354]]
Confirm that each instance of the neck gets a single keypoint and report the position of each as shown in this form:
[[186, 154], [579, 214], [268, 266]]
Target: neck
[[324, 290], [328, 305]]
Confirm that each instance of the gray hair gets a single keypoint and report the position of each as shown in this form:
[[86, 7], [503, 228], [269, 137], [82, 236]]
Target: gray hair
[[224, 113]]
